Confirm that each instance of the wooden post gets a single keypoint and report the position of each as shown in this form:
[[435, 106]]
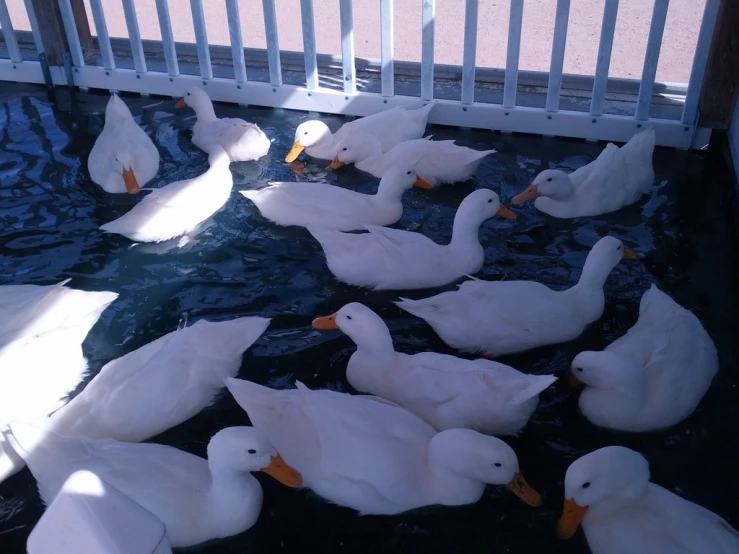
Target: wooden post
[[52, 31], [83, 27], [721, 85]]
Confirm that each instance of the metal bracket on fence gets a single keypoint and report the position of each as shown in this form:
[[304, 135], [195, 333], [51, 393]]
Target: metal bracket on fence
[[45, 69], [47, 76], [68, 70]]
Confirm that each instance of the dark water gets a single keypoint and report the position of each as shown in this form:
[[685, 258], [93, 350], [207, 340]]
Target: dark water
[[242, 265]]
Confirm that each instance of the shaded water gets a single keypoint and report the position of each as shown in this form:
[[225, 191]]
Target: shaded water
[[241, 265]]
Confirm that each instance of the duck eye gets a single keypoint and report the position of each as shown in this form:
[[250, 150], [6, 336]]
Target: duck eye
[[578, 369], [586, 485], [305, 133], [251, 451], [490, 201], [188, 94], [549, 180], [498, 464], [344, 149], [348, 317], [408, 173]]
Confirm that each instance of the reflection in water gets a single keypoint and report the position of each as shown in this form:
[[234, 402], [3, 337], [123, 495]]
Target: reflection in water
[[239, 264]]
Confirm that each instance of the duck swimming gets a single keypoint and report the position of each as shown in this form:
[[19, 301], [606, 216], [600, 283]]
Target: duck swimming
[[332, 207], [504, 317], [390, 127], [242, 141], [608, 492], [654, 376], [435, 161], [385, 258], [445, 391], [616, 178], [123, 157], [371, 455], [196, 499]]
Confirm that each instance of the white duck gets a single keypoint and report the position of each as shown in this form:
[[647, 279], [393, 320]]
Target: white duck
[[389, 127], [622, 511], [155, 387], [445, 391], [368, 454], [616, 178], [332, 207], [654, 376], [196, 499], [123, 157], [503, 317], [241, 140], [387, 258], [177, 208], [41, 358], [32, 310], [435, 161]]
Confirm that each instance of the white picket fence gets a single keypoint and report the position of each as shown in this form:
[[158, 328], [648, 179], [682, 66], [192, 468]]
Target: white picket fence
[[474, 109]]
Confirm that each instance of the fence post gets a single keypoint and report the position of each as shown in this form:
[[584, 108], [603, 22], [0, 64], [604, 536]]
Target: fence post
[[721, 83], [51, 29]]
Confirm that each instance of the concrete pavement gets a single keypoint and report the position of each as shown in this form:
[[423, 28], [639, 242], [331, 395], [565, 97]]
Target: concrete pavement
[[632, 28]]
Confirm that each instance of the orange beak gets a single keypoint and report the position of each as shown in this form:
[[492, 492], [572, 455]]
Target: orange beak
[[132, 185], [629, 254], [523, 490], [529, 194], [325, 323], [574, 382], [505, 212], [285, 474], [422, 184], [572, 515], [336, 164], [294, 152], [181, 103]]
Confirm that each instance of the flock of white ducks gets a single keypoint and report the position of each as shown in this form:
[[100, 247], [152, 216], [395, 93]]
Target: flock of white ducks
[[422, 432]]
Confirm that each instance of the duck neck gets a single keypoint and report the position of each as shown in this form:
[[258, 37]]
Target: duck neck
[[378, 347], [388, 193], [450, 487], [237, 489], [588, 293], [219, 173], [594, 274], [465, 233], [374, 356], [204, 112], [372, 163]]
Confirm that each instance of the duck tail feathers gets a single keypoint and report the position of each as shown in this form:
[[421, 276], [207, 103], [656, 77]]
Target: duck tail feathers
[[425, 111], [641, 144], [534, 385], [652, 298]]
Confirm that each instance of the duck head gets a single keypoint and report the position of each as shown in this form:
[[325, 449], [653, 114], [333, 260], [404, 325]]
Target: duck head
[[309, 133], [481, 458], [611, 474], [552, 183], [354, 148], [246, 449]]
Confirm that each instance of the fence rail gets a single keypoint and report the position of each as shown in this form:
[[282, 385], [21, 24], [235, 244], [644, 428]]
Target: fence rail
[[510, 106]]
